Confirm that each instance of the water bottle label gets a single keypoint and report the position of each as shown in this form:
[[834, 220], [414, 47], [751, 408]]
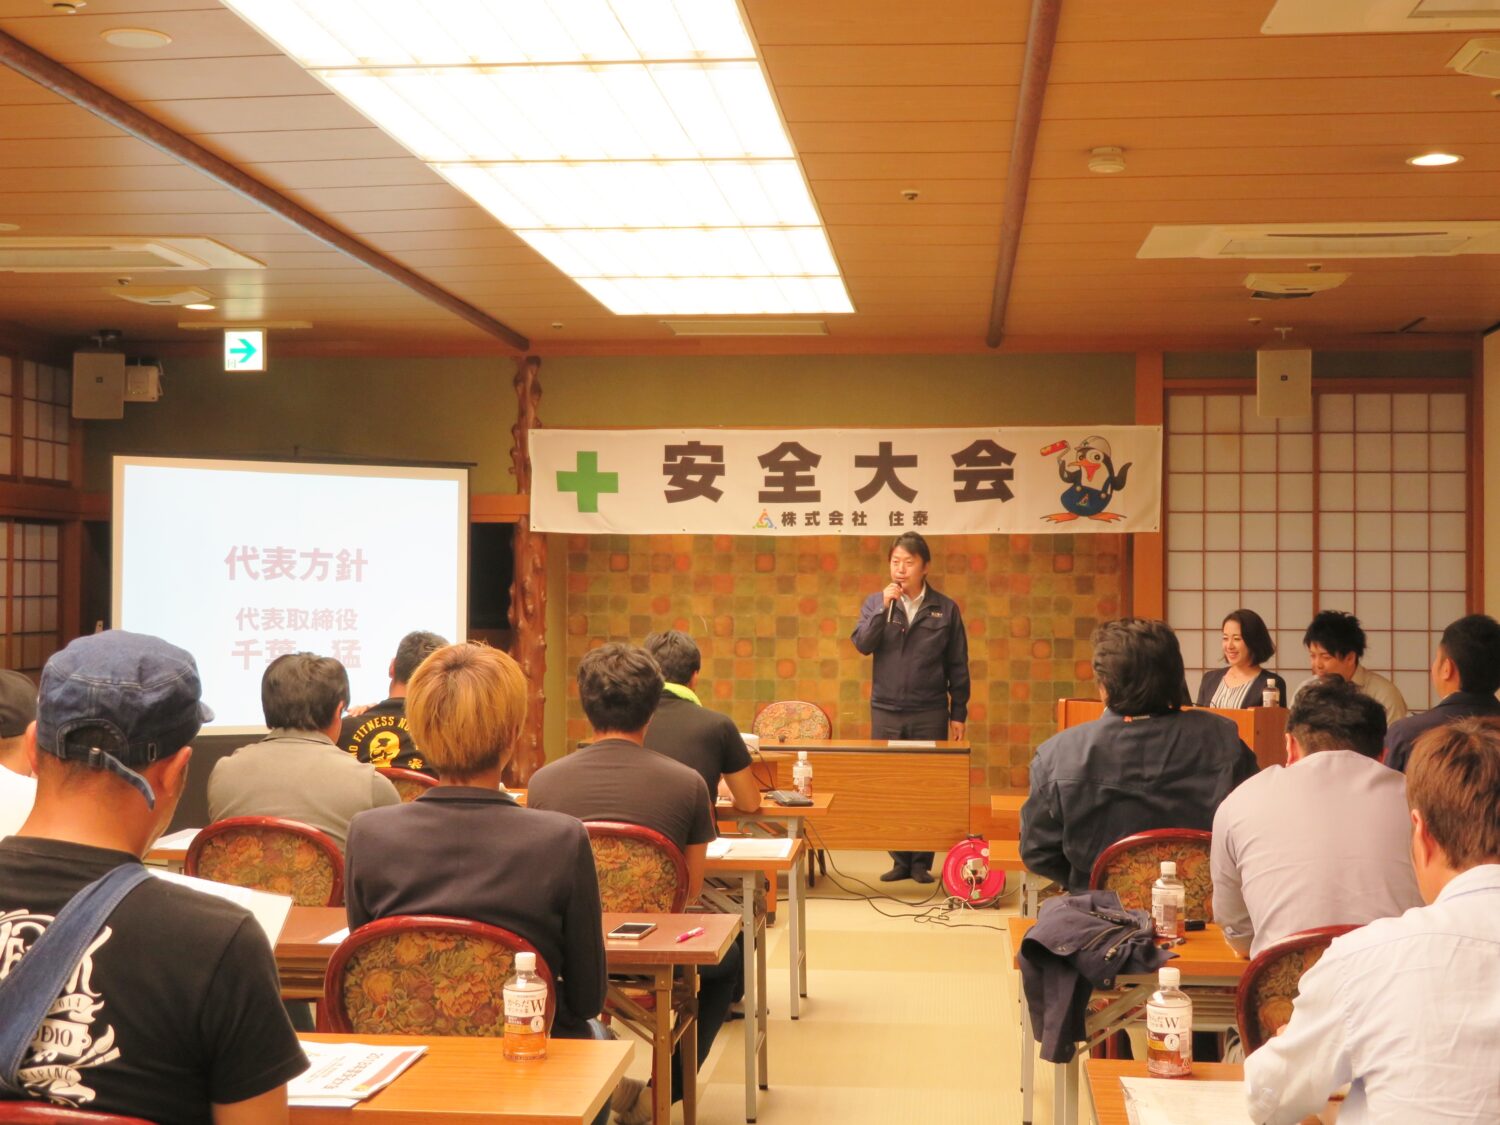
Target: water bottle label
[[526, 1007]]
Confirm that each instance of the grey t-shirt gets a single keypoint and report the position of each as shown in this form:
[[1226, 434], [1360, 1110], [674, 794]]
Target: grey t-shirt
[[619, 780], [299, 775]]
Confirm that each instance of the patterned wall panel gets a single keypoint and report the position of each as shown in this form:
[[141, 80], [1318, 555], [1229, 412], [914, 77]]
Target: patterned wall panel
[[773, 619]]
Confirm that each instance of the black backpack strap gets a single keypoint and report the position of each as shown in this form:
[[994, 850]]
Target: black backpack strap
[[28, 993]]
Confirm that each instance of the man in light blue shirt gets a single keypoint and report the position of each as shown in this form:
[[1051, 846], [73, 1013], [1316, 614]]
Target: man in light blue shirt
[[1406, 1011]]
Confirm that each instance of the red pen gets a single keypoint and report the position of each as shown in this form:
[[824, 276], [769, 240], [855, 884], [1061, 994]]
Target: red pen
[[696, 931]]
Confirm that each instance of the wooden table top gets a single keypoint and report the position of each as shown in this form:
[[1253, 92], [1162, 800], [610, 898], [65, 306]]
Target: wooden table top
[[862, 746], [306, 926], [1109, 1096], [732, 865], [468, 1082], [1006, 855], [1204, 954], [1002, 803], [769, 808]]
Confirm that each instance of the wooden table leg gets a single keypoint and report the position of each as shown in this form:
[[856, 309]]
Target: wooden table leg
[[661, 1048], [764, 997], [688, 1046]]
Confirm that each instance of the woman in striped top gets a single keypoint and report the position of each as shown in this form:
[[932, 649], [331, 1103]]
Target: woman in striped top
[[1242, 682]]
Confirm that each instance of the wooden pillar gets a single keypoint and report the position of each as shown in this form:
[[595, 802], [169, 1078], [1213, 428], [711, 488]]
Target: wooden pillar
[[1148, 579], [528, 592]]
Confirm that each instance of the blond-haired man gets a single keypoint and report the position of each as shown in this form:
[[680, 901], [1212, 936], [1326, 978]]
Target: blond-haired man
[[1407, 1010], [466, 849]]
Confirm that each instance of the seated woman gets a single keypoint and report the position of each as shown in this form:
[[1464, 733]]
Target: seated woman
[[467, 850], [1242, 682]]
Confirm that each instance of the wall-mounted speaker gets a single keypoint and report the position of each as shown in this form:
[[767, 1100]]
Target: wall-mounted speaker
[[98, 385], [1283, 382]]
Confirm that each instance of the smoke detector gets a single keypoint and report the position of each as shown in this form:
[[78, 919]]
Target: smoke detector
[[1107, 160]]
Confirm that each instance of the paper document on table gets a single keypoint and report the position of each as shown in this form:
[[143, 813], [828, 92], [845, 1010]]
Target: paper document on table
[[1175, 1101], [269, 910], [745, 847], [912, 744], [178, 841], [343, 1074], [335, 937]]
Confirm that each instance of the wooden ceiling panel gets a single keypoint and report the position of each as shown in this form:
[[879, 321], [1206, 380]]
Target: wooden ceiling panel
[[1086, 217], [94, 152], [863, 64], [227, 227], [991, 103], [1287, 164], [294, 175], [20, 122], [897, 213], [1414, 130], [890, 22], [934, 192], [210, 201], [251, 76], [256, 114], [1409, 183], [1320, 97], [125, 178], [816, 137], [822, 167], [366, 143], [205, 31]]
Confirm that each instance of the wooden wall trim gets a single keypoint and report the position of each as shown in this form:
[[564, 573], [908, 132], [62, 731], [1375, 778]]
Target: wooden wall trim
[[528, 591], [1148, 575], [498, 507]]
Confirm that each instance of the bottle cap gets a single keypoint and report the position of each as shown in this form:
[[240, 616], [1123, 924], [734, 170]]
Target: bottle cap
[[1169, 867], [1169, 977], [801, 755], [525, 962]]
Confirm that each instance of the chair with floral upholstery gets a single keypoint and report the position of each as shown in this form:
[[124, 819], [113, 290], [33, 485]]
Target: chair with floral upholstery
[[1263, 1001], [267, 853], [423, 974], [1129, 867], [410, 784], [640, 870], [41, 1113], [792, 720]]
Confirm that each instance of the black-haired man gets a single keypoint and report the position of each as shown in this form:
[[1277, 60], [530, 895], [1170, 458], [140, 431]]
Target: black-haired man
[[1321, 841], [1335, 644], [687, 732], [174, 1012], [1465, 674], [379, 735], [297, 771]]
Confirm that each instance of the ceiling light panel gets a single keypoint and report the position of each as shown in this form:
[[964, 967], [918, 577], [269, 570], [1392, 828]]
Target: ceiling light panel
[[687, 193], [635, 143], [381, 33], [719, 296], [656, 111], [687, 252]]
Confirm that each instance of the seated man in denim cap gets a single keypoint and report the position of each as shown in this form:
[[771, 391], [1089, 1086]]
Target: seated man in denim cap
[[174, 1012]]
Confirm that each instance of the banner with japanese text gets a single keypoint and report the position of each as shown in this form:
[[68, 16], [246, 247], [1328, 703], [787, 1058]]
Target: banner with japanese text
[[1021, 480]]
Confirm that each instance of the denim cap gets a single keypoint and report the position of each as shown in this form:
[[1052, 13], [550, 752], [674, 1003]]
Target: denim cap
[[114, 700]]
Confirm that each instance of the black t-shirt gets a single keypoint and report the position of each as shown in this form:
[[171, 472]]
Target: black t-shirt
[[380, 737], [175, 1007], [618, 780], [701, 739]]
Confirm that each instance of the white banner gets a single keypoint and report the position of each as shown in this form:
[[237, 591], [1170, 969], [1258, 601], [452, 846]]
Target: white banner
[[1023, 480]]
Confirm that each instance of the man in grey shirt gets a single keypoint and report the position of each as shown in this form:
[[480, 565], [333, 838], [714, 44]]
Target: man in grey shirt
[[1321, 841], [298, 771]]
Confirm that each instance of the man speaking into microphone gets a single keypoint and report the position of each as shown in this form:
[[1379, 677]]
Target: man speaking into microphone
[[920, 688]]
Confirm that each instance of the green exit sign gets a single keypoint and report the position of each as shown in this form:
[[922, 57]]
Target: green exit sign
[[245, 349]]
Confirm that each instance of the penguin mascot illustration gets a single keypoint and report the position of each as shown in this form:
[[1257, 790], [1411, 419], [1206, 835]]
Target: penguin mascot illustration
[[1092, 482]]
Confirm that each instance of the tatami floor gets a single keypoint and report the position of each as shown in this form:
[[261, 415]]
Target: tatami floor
[[905, 1021]]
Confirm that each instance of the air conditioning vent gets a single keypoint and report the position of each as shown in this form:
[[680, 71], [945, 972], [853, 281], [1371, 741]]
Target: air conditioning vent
[[118, 255], [161, 296], [1270, 286], [1315, 241], [1479, 57], [1351, 17]]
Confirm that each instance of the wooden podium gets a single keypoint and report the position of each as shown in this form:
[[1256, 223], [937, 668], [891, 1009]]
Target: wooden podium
[[1263, 729]]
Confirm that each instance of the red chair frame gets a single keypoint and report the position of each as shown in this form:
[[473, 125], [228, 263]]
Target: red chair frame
[[320, 838], [1318, 937], [1136, 839], [40, 1113], [397, 773], [332, 1016], [605, 829]]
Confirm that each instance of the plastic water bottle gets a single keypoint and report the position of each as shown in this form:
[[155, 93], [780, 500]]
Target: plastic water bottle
[[525, 1011], [1169, 1028], [1168, 902], [802, 774]]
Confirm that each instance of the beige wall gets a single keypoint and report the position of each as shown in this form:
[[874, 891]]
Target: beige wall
[[453, 410]]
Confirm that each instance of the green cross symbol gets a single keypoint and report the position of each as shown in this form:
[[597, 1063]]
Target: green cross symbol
[[588, 482]]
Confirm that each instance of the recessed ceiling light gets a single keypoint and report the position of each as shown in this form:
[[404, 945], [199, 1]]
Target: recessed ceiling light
[[136, 38], [1434, 159], [200, 308], [1107, 160]]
